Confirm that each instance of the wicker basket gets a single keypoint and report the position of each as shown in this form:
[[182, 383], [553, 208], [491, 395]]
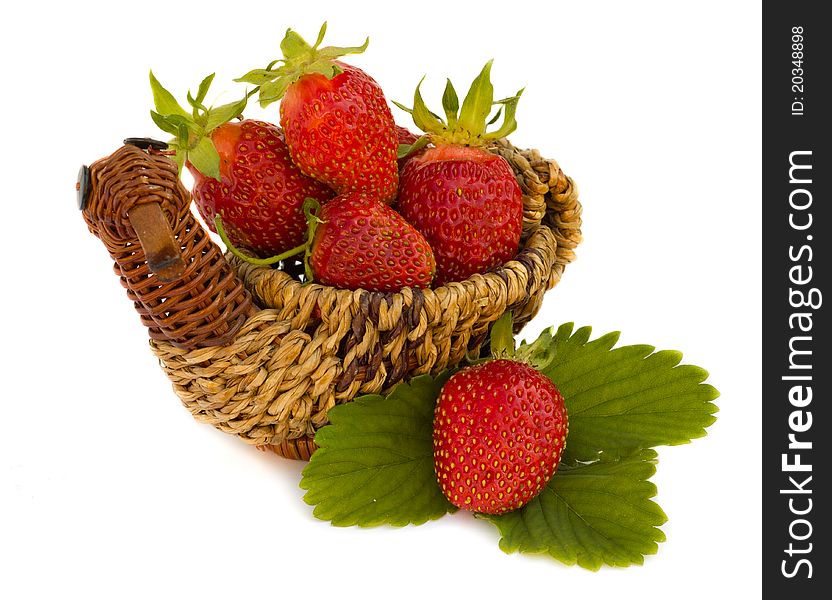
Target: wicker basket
[[253, 351]]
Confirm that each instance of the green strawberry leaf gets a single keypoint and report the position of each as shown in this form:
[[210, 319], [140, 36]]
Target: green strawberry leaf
[[502, 340], [622, 399], [199, 109], [294, 46], [406, 150], [325, 67], [165, 123], [494, 119], [272, 91], [320, 38], [205, 158], [374, 464], [477, 103], [333, 52], [591, 515], [219, 115], [202, 91], [422, 116], [299, 58], [450, 102], [258, 76], [509, 120], [164, 101], [468, 124]]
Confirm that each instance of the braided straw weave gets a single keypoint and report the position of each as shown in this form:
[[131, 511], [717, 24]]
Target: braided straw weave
[[209, 304], [270, 374]]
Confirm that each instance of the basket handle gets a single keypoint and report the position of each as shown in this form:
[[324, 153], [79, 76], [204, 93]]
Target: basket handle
[[184, 290]]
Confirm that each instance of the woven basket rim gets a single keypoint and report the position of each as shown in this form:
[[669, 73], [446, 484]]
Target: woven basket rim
[[497, 274]]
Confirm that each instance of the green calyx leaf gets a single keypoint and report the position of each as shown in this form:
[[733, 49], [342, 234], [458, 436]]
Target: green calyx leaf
[[374, 464], [202, 91], [219, 115], [406, 150], [590, 514], [477, 104], [509, 105], [192, 130], [502, 337], [468, 124], [299, 58], [430, 123], [294, 46], [626, 398], [164, 101], [204, 158], [450, 102]]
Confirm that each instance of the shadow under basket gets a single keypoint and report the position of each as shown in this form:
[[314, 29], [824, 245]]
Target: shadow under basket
[[255, 352]]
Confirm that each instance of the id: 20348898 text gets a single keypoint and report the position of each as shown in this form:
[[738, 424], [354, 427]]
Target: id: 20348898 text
[[797, 70]]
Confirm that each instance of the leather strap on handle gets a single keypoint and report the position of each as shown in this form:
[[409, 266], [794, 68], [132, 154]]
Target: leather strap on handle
[[156, 237]]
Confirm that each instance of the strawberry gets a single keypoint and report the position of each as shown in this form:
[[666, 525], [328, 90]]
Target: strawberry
[[464, 199], [356, 241], [338, 125], [499, 430], [405, 136], [242, 171], [362, 243]]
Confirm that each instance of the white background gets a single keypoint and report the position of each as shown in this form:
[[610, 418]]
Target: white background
[[111, 490]]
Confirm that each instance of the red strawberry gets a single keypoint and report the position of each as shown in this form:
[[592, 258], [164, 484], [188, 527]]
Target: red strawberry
[[465, 200], [499, 430], [405, 136], [362, 243], [355, 241], [262, 192], [338, 125], [242, 171]]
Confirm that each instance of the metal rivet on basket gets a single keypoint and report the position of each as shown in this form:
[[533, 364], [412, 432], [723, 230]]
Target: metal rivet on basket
[[145, 143], [82, 186]]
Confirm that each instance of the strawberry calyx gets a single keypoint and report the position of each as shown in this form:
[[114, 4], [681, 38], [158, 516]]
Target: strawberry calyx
[[191, 130], [501, 343], [310, 210], [468, 124], [538, 355], [299, 59], [502, 337]]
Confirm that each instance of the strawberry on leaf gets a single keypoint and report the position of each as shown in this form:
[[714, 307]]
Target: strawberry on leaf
[[375, 466], [500, 428], [499, 431]]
